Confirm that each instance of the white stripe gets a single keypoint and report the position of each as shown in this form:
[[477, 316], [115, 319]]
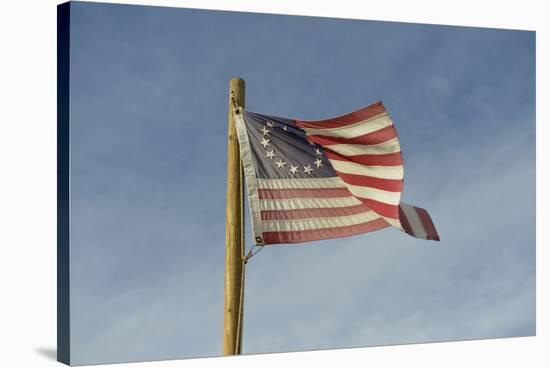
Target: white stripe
[[308, 203], [393, 222], [387, 147], [354, 130], [301, 183], [388, 172], [414, 220], [387, 197], [319, 223]]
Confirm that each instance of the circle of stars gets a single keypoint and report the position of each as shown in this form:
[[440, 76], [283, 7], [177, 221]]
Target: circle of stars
[[281, 164]]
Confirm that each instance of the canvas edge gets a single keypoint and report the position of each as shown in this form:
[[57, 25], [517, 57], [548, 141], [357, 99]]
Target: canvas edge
[[63, 182]]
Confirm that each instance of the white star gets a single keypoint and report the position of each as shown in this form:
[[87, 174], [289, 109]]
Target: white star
[[284, 127], [308, 169], [280, 164], [270, 154], [265, 142], [293, 169], [318, 151], [270, 123], [264, 130], [318, 163]]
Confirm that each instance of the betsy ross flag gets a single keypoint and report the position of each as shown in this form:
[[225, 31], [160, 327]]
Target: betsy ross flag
[[314, 180]]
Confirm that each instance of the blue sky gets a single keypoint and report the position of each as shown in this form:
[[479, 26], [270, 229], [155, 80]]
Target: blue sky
[[148, 160]]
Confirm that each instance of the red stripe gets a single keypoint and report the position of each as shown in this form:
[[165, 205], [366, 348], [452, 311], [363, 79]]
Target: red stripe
[[347, 119], [324, 233], [376, 137], [337, 192], [312, 213], [375, 182], [405, 222], [427, 224], [386, 210], [391, 159]]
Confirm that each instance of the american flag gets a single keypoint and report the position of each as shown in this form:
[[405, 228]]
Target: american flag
[[314, 180]]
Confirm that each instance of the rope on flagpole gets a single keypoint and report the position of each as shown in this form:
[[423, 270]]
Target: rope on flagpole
[[252, 252], [238, 340], [245, 259], [240, 318]]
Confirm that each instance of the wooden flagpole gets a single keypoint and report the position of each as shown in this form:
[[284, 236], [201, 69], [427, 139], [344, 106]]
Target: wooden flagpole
[[234, 230]]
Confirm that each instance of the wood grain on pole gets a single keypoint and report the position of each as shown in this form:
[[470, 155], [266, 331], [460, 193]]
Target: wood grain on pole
[[234, 228]]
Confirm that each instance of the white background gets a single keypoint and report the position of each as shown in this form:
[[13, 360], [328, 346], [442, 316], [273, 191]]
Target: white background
[[28, 182]]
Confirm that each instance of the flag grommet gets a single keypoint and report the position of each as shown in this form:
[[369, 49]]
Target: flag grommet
[[259, 240]]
